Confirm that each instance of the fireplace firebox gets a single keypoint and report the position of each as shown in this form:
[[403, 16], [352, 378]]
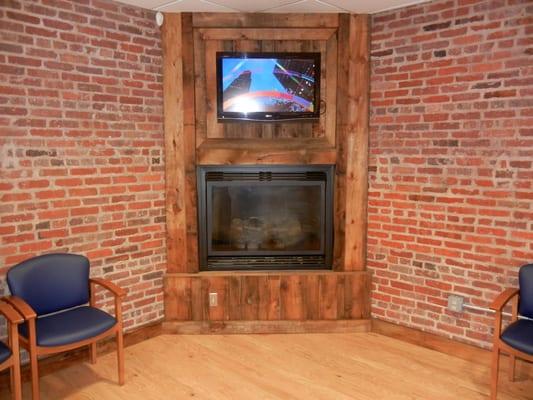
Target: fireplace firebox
[[265, 217]]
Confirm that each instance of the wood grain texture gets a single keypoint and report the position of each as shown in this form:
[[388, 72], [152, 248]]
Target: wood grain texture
[[330, 91], [264, 20], [352, 143], [266, 33], [265, 40], [347, 366], [265, 327], [261, 151], [194, 136], [200, 80], [174, 143], [297, 296], [189, 142], [214, 129], [356, 125]]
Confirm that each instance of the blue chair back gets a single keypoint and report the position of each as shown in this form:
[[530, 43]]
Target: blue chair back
[[525, 282], [51, 282]]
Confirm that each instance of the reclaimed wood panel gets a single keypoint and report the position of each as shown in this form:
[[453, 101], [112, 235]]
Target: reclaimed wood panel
[[330, 65], [178, 298], [312, 297], [189, 143], [304, 34], [352, 143], [266, 327], [200, 82], [214, 129], [273, 306], [198, 303], [218, 285], [174, 117], [234, 297], [292, 297], [264, 20], [357, 143], [266, 130], [251, 156], [340, 138], [328, 297], [247, 296]]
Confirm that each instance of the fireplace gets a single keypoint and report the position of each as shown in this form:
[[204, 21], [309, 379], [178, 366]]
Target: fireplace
[[265, 217]]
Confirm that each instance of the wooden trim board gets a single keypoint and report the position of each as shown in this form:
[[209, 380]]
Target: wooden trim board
[[265, 327], [266, 33], [353, 69], [174, 115], [265, 20]]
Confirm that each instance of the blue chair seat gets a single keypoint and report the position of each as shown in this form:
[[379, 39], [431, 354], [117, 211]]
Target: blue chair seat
[[5, 352], [519, 335], [70, 326]]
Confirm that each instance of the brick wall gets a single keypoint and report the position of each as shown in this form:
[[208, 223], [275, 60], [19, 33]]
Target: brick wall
[[450, 206], [451, 195], [81, 142]]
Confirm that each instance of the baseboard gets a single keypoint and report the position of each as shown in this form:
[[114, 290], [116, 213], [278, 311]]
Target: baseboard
[[60, 361], [248, 327], [444, 345]]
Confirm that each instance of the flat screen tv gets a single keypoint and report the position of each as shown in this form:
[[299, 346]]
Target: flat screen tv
[[268, 86]]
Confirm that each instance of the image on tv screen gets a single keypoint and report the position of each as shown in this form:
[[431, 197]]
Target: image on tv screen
[[268, 85]]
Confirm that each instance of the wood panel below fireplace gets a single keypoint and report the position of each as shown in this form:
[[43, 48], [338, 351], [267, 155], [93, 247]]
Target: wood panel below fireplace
[[268, 296]]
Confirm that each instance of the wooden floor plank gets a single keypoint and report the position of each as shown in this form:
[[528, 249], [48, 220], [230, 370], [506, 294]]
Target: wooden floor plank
[[344, 366]]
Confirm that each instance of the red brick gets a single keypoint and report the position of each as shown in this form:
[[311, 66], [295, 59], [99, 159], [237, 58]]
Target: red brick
[[53, 134], [474, 110]]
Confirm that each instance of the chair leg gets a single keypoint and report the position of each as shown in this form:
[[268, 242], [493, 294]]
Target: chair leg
[[494, 374], [512, 365], [34, 375], [120, 356], [16, 391], [12, 381], [92, 351]]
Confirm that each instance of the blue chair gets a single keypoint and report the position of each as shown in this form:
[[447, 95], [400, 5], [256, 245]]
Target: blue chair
[[9, 354], [516, 339], [51, 292]]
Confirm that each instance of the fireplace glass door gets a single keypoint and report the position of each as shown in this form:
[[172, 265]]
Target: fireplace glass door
[[265, 218]]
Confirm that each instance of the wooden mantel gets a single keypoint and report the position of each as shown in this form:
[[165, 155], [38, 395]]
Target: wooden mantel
[[193, 136]]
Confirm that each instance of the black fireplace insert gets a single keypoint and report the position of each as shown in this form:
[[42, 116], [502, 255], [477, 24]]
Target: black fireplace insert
[[265, 217]]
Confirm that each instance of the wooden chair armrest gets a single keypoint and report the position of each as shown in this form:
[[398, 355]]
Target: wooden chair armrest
[[502, 299], [116, 290], [11, 315], [21, 306]]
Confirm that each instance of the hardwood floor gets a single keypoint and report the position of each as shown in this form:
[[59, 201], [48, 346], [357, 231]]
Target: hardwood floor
[[344, 366]]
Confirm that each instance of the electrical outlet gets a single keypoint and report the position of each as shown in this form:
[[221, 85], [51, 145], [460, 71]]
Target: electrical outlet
[[455, 303], [213, 299]]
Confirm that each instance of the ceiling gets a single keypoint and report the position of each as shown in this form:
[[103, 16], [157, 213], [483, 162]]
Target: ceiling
[[277, 6]]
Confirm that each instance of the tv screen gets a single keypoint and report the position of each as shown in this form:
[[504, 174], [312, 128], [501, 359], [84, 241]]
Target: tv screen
[[268, 86]]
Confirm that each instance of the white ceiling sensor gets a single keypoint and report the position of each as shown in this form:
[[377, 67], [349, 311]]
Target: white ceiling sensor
[[281, 6]]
